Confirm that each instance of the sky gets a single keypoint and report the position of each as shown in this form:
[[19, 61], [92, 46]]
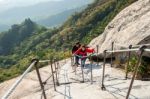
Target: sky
[[6, 4]]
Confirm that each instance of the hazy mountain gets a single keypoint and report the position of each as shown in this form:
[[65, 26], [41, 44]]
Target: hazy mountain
[[59, 18], [41, 10], [3, 27], [8, 4]]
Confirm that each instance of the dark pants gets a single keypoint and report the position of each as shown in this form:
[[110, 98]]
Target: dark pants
[[76, 59], [83, 62]]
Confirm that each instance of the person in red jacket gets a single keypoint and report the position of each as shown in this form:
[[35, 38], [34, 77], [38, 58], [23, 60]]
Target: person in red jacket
[[82, 52]]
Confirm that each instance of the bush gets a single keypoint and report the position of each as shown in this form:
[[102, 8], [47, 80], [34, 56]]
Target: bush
[[143, 68]]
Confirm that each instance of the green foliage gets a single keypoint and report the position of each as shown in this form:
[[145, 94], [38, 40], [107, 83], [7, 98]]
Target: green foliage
[[143, 68], [15, 35], [28, 40]]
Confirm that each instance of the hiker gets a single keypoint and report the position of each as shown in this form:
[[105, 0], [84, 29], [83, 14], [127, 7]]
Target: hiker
[[74, 49], [82, 52]]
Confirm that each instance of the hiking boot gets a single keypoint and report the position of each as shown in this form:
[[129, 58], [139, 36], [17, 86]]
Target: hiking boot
[[83, 66], [78, 63]]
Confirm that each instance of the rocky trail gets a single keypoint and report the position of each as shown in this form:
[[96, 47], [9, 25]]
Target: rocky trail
[[72, 87], [116, 85]]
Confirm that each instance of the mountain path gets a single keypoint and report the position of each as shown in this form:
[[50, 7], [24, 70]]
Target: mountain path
[[116, 85], [71, 86]]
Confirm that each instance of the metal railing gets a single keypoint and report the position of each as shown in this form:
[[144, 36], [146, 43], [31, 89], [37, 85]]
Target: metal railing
[[141, 50], [55, 68], [8, 93], [34, 63], [74, 66], [126, 46], [129, 53]]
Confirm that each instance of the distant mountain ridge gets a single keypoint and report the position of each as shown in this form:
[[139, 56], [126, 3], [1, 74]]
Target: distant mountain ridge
[[60, 18], [41, 10]]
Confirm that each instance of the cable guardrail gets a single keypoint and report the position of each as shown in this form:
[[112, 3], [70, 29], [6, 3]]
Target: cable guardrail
[[43, 61], [124, 50], [8, 93], [54, 69], [88, 56], [126, 46], [141, 50], [34, 63], [148, 50]]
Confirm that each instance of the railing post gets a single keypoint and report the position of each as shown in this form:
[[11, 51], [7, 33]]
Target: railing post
[[13, 87], [135, 70], [82, 71], [91, 70], [75, 65], [39, 77], [51, 64], [56, 70], [75, 68], [58, 66], [129, 56], [103, 74], [71, 61], [97, 54], [112, 48]]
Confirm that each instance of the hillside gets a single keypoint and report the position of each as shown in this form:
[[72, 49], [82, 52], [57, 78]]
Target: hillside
[[130, 27], [56, 42], [17, 34]]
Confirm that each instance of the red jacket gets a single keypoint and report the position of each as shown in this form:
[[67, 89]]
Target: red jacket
[[84, 53]]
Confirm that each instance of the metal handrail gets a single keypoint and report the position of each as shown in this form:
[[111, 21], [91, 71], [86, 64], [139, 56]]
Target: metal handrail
[[141, 50], [147, 50], [124, 50], [34, 63], [13, 87], [118, 44], [135, 71], [44, 61], [54, 73]]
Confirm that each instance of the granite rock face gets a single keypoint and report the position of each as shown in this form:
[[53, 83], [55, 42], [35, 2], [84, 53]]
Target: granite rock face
[[130, 26]]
